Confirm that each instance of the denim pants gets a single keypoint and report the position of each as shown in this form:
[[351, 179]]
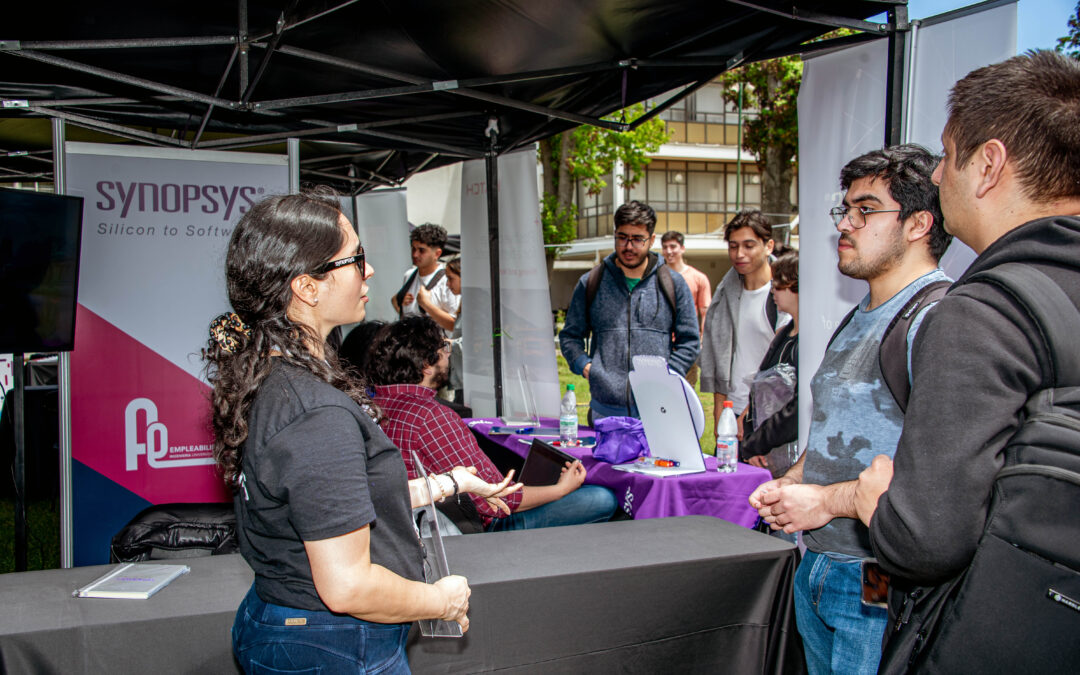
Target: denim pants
[[267, 639], [587, 504], [840, 634]]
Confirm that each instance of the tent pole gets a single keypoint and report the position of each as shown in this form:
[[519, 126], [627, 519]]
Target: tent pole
[[67, 528], [18, 400], [491, 163], [293, 145], [899, 27]]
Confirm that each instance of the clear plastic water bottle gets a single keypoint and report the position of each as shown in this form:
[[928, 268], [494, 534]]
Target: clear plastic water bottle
[[727, 440], [568, 418]]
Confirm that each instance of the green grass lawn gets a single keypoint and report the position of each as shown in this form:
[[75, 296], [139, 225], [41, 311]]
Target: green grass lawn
[[581, 387], [43, 535]]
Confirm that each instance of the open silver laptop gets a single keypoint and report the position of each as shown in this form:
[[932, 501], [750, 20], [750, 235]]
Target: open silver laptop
[[672, 416]]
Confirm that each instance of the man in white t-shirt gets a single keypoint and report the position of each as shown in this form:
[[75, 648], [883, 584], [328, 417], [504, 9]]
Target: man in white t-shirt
[[424, 284], [742, 317]]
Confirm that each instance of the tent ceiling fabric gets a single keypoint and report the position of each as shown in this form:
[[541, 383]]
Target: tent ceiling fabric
[[418, 79]]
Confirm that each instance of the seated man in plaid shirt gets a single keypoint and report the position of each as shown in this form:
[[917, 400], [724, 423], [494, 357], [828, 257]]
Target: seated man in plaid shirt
[[408, 362]]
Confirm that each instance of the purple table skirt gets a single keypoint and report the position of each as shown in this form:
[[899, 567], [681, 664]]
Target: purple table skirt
[[722, 495]]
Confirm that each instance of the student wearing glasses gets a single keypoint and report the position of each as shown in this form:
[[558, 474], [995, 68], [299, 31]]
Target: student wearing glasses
[[891, 235], [311, 471], [637, 307]]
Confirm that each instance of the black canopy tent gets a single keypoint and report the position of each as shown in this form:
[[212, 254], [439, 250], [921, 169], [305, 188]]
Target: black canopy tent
[[377, 91]]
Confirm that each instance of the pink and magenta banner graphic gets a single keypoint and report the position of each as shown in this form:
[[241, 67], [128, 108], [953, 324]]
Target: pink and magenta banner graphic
[[156, 225]]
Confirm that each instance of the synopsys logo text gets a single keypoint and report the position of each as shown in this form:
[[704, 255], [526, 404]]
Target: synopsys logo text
[[175, 198], [151, 438]]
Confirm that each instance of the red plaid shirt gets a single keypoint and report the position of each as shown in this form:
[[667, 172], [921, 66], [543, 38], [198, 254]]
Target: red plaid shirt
[[415, 421]]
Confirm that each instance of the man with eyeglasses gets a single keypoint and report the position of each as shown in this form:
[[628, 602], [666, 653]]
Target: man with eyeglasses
[[891, 234], [636, 306]]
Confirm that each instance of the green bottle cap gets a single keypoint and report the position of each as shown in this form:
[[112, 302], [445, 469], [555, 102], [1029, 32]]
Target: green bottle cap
[[569, 387]]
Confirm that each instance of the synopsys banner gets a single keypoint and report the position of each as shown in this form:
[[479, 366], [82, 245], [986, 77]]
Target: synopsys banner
[[156, 225]]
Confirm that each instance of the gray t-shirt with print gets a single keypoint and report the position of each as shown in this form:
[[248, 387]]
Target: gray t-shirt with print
[[855, 416]]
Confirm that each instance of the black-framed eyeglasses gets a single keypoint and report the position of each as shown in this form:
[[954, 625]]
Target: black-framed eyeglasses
[[635, 240], [446, 346], [856, 215], [343, 262]]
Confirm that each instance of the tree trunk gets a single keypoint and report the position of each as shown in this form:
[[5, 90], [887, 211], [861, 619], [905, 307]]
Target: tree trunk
[[776, 174], [546, 169], [565, 185]]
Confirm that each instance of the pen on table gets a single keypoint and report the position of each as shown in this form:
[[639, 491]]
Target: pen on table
[[658, 461]]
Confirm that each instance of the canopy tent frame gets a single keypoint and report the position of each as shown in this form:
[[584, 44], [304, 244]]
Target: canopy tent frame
[[398, 145]]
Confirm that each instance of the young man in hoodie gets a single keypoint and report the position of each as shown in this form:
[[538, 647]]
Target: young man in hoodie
[[742, 318], [1009, 190], [891, 236], [631, 314]]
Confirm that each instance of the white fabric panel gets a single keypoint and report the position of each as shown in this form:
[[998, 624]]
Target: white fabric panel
[[383, 227], [841, 116], [528, 345], [944, 53], [156, 227]]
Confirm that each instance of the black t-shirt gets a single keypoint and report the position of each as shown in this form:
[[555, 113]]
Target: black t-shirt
[[315, 466]]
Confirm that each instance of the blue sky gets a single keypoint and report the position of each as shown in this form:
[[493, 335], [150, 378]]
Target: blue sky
[[1039, 22]]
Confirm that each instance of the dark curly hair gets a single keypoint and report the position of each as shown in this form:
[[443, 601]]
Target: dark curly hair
[[400, 352], [907, 170], [278, 239], [429, 234]]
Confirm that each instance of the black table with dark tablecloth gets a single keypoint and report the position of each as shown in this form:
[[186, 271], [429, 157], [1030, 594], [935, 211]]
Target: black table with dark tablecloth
[[693, 594]]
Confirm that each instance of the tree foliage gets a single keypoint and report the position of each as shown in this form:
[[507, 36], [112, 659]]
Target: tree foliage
[[772, 136], [1070, 44], [588, 154]]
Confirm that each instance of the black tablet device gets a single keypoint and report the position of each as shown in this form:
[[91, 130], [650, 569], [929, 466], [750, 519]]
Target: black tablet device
[[544, 464]]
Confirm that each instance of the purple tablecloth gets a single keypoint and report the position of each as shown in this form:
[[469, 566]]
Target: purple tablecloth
[[723, 495]]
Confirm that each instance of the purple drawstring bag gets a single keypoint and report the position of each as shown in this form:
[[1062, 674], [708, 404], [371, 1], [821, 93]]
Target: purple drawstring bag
[[619, 440]]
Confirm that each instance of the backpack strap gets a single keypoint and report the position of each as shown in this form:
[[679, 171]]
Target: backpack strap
[[592, 285], [435, 278], [403, 291], [771, 312], [667, 285], [892, 354], [1049, 307]]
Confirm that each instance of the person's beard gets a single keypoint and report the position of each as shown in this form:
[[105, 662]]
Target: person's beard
[[441, 376], [861, 268]]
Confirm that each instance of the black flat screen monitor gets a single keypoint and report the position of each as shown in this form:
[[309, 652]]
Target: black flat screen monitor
[[39, 270]]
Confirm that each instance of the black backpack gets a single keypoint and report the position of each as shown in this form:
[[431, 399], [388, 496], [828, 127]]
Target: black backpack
[[1016, 607], [892, 352]]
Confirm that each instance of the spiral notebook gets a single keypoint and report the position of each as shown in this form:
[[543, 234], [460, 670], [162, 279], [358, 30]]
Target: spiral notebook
[[133, 581]]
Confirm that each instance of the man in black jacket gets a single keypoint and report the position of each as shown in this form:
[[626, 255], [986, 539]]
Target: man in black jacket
[[1009, 190]]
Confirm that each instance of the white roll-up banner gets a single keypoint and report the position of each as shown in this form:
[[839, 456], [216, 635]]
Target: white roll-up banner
[[156, 225], [842, 115], [528, 337]]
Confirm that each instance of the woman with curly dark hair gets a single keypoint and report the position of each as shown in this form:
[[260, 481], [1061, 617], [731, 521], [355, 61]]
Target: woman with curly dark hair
[[296, 439]]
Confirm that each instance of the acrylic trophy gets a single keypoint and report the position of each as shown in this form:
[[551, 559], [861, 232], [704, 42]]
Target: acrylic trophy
[[435, 565]]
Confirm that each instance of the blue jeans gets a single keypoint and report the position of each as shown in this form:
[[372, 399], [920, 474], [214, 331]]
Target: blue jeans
[[587, 504], [840, 634], [325, 643]]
